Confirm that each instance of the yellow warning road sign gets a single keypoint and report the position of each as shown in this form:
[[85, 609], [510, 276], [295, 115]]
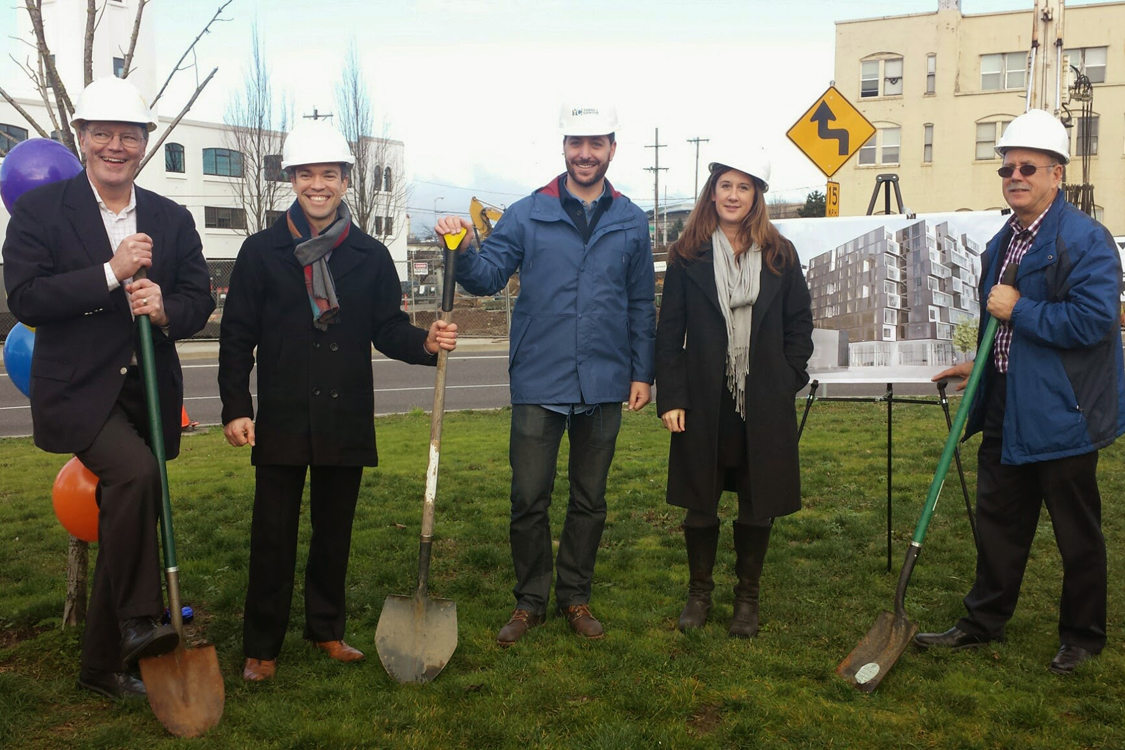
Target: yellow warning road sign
[[832, 199], [831, 131]]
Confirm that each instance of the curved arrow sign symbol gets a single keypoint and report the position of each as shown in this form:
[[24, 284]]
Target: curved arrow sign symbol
[[822, 117]]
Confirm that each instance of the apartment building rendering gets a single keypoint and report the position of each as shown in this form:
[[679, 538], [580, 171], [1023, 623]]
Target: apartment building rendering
[[897, 295]]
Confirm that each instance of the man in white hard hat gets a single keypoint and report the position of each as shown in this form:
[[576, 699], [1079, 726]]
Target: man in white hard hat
[[581, 344], [309, 296], [1052, 394], [71, 257]]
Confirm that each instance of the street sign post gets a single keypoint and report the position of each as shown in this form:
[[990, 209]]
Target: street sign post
[[831, 131]]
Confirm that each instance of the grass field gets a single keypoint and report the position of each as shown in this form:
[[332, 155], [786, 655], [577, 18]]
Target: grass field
[[645, 685]]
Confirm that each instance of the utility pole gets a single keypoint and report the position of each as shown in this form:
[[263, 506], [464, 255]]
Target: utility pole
[[655, 169], [317, 116], [697, 141]]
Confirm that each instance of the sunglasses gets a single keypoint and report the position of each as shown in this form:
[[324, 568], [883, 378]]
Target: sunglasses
[[1026, 170]]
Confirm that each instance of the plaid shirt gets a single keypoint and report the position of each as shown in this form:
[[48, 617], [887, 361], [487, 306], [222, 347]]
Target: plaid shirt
[[1017, 248]]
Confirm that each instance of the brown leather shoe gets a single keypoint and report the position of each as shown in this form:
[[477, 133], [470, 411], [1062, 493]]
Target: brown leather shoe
[[340, 651], [583, 622], [259, 670], [519, 623]]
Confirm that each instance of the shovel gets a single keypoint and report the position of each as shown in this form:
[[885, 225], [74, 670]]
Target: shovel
[[417, 635], [871, 659], [185, 688]]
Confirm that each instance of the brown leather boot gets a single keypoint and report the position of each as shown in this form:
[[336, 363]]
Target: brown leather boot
[[750, 544], [701, 544]]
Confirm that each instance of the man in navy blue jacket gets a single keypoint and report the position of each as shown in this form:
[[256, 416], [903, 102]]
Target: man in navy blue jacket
[[1052, 395], [581, 343]]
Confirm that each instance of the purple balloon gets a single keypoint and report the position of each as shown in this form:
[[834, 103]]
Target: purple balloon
[[35, 162]]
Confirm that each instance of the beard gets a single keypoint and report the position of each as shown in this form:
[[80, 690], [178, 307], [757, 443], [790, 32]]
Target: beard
[[599, 174]]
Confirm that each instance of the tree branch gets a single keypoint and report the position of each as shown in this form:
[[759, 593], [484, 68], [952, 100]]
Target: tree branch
[[177, 68], [128, 66], [88, 42], [23, 112], [175, 122]]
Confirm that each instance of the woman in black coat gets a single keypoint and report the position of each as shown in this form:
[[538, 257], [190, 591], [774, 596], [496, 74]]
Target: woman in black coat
[[734, 338]]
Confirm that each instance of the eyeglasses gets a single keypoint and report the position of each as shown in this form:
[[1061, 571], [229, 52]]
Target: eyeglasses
[[1026, 170], [103, 137]]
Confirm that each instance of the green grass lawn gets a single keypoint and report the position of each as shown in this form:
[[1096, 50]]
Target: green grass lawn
[[645, 685]]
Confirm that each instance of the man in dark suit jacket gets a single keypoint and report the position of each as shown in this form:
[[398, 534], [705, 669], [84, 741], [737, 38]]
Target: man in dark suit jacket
[[308, 298], [71, 257]]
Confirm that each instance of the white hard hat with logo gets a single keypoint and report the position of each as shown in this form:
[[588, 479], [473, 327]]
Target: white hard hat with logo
[[112, 100], [1037, 129], [315, 142], [587, 119], [753, 160]]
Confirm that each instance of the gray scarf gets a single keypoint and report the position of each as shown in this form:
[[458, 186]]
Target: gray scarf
[[312, 253], [737, 281]]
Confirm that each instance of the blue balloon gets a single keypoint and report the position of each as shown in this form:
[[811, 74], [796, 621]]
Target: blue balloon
[[32, 163], [17, 356]]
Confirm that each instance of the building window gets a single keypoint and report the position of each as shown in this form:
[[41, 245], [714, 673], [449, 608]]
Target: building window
[[379, 226], [174, 158], [1003, 71], [883, 147], [271, 166], [273, 216], [880, 77], [1086, 136], [119, 67], [387, 184], [931, 74], [388, 225], [222, 162], [988, 133], [377, 178], [221, 217], [928, 143], [10, 135], [1089, 61]]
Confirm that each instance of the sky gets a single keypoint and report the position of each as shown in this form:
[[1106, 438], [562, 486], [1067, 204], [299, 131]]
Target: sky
[[473, 87]]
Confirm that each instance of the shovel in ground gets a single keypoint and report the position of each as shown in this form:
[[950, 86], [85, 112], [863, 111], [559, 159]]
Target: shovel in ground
[[185, 688], [872, 658], [417, 635]]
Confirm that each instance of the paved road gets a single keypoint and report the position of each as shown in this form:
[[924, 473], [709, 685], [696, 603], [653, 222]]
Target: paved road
[[477, 378]]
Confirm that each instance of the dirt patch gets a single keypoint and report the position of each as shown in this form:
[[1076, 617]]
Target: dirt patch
[[11, 636], [704, 721]]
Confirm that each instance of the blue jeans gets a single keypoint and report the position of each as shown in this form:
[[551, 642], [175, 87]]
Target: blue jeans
[[533, 452]]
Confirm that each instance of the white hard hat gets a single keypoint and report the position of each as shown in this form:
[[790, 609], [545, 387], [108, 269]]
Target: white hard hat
[[315, 142], [1036, 129], [753, 160], [587, 119], [112, 100]]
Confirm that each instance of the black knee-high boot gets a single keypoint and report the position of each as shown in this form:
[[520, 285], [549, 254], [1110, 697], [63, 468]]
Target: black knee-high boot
[[750, 544], [701, 544]]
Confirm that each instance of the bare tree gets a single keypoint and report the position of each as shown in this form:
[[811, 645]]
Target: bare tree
[[52, 90], [256, 128], [378, 190]]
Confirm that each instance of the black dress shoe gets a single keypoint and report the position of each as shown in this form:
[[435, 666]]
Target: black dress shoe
[[954, 638], [144, 636], [112, 684], [1068, 658]]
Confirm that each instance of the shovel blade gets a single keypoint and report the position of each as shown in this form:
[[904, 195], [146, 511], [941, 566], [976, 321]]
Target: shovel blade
[[185, 689], [871, 659], [416, 636]]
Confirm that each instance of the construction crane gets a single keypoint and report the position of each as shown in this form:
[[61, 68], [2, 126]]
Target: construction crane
[[484, 217]]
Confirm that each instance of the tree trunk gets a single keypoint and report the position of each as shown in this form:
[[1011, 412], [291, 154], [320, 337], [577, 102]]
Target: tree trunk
[[77, 563]]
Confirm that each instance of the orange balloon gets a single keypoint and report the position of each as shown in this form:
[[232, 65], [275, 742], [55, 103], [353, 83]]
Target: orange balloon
[[73, 498]]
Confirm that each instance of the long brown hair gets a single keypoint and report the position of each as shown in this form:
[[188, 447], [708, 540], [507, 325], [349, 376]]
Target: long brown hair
[[756, 228]]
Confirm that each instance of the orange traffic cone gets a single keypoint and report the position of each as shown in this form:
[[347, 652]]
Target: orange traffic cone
[[186, 423]]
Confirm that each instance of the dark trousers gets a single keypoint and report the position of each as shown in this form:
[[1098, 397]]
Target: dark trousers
[[273, 554], [127, 571], [533, 452], [1008, 502]]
